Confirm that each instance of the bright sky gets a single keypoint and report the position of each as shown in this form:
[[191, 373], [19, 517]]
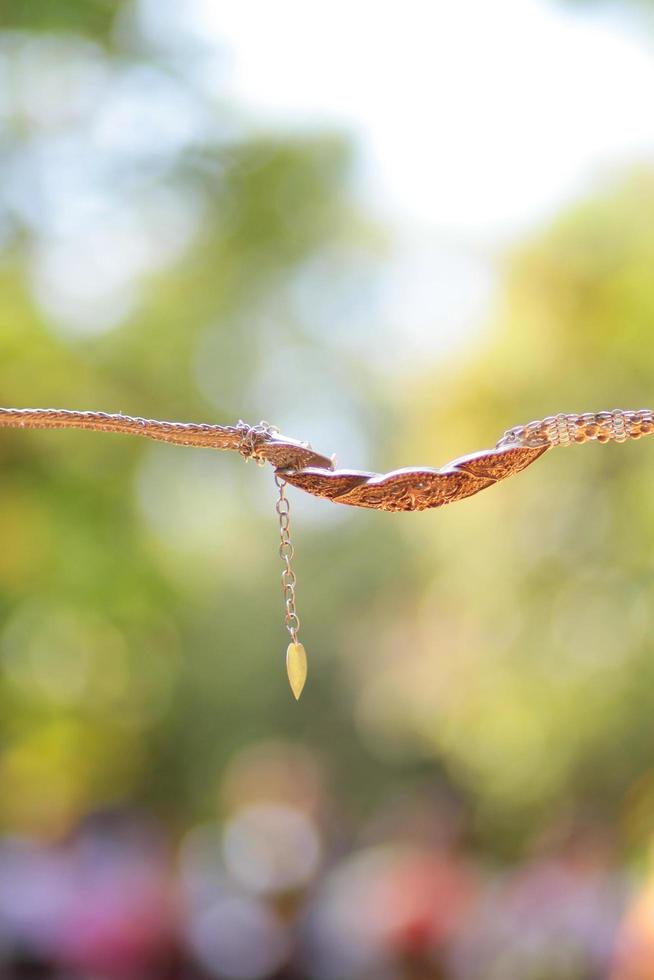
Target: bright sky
[[474, 120], [478, 116]]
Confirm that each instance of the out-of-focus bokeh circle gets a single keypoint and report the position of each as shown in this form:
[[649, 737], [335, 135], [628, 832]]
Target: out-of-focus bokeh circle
[[394, 232]]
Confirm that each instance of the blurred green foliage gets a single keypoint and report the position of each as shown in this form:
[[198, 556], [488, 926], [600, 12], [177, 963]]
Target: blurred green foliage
[[546, 694], [502, 648], [92, 17]]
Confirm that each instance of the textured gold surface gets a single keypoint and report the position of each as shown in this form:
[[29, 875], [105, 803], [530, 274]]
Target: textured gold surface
[[497, 464], [416, 488], [406, 489], [296, 668], [273, 448], [413, 489], [327, 483], [566, 430]]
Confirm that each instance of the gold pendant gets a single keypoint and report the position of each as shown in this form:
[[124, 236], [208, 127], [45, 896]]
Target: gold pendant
[[296, 668]]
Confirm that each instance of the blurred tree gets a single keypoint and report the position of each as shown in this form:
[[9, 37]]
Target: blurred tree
[[150, 245], [162, 257], [92, 17], [531, 665]]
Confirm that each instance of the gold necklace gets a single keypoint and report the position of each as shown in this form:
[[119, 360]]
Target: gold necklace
[[296, 463]]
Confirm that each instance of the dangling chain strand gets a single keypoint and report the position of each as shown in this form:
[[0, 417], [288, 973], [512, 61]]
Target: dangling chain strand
[[296, 662], [286, 553]]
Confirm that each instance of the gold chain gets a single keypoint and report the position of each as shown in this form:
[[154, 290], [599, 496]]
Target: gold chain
[[296, 661], [286, 553]]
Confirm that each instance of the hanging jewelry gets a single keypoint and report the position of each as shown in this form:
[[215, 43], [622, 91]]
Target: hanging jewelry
[[296, 658], [297, 464]]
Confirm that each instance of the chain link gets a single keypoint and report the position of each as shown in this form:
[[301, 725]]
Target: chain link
[[286, 552]]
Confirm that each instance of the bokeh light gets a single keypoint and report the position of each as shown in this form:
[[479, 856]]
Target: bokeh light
[[395, 233]]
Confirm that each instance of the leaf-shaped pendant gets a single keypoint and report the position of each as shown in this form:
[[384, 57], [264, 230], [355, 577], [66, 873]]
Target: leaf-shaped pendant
[[296, 668]]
